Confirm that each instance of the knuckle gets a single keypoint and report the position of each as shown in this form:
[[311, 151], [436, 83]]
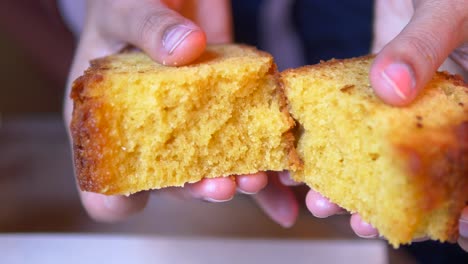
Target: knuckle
[[153, 23], [145, 27], [426, 45]]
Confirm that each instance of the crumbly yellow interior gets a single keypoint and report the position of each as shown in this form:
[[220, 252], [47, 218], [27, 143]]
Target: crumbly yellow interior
[[349, 141], [165, 126]]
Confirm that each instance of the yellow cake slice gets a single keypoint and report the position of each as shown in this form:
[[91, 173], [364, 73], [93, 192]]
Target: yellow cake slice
[[405, 170], [138, 125]]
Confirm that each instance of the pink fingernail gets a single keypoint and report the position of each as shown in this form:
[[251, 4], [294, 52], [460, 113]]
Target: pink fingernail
[[174, 36], [399, 80]]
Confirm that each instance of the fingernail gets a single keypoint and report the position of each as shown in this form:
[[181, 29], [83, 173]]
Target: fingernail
[[463, 227], [110, 202], [174, 36], [208, 199], [399, 79], [245, 192], [287, 224], [368, 236]]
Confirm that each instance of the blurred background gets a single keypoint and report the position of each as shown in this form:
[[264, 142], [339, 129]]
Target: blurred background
[[37, 186]]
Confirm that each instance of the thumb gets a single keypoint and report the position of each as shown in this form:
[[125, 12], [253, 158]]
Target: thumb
[[165, 35], [408, 62]]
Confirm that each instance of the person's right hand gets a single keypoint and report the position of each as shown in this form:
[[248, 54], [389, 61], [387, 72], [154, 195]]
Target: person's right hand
[[158, 28], [416, 36]]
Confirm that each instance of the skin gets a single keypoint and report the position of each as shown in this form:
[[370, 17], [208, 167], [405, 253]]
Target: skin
[[408, 55]]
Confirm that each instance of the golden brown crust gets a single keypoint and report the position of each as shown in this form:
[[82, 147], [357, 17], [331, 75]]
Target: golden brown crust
[[453, 78], [84, 129], [324, 64], [443, 169], [86, 134]]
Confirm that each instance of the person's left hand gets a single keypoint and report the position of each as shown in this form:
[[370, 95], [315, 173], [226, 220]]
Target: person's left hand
[[412, 39]]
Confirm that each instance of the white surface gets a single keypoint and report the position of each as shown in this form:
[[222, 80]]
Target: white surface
[[102, 249]]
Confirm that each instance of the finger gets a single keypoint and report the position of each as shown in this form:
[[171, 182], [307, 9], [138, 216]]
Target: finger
[[162, 33], [320, 206], [460, 56], [408, 62], [113, 208], [362, 228], [213, 190], [463, 229], [463, 242], [251, 183], [215, 18], [285, 179], [278, 202]]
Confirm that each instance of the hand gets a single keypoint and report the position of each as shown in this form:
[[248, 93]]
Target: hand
[[167, 37], [463, 228], [412, 39]]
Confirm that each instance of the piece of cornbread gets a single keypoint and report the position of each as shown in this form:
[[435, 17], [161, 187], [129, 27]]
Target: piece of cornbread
[[405, 170], [138, 125]]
